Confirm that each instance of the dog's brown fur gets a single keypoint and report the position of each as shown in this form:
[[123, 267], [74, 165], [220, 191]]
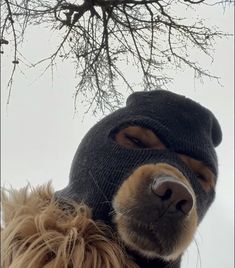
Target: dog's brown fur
[[38, 233], [129, 197]]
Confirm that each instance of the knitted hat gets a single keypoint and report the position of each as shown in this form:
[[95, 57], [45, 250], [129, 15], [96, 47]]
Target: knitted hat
[[100, 164]]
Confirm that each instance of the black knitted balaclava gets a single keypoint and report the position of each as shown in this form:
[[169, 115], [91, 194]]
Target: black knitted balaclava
[[101, 165]]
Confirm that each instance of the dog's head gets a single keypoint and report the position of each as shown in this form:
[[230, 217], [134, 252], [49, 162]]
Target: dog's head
[[150, 168], [156, 206]]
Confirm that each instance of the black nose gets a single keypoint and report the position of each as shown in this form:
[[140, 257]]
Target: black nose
[[173, 195]]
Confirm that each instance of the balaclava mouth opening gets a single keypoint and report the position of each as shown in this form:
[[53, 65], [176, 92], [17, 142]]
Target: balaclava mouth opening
[[100, 164]]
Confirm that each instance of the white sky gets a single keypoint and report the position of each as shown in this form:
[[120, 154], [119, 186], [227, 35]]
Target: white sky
[[40, 134]]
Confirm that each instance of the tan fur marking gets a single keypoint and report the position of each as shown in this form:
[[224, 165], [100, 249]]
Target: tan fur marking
[[144, 135], [207, 178], [129, 186]]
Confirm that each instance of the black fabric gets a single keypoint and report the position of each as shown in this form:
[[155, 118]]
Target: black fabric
[[100, 165]]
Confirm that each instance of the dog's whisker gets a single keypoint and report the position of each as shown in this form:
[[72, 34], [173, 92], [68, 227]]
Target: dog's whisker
[[105, 202], [112, 212], [127, 211], [98, 187], [199, 260]]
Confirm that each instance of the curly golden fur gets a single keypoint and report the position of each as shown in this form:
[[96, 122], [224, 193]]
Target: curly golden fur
[[38, 233]]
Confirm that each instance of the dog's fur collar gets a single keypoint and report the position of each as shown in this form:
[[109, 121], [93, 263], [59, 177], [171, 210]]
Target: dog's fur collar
[[38, 233]]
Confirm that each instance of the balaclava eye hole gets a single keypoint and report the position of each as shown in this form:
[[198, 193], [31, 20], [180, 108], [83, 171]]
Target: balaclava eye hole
[[137, 137], [203, 173]]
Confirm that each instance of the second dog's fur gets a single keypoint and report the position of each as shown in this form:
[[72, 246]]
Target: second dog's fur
[[38, 233]]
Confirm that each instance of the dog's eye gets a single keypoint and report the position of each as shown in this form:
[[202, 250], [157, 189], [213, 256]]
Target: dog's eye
[[206, 180], [136, 137], [136, 141], [201, 177], [205, 176]]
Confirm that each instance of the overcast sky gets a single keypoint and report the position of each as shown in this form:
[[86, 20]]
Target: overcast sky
[[40, 134]]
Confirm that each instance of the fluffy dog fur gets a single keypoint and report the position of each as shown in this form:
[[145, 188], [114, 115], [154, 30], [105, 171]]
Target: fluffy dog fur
[[38, 233]]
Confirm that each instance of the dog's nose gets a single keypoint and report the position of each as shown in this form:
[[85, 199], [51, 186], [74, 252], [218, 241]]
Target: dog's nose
[[173, 195]]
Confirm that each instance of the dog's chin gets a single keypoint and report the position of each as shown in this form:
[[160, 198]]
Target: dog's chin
[[146, 241], [147, 244]]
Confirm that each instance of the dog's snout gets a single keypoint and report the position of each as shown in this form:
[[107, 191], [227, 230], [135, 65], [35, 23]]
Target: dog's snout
[[173, 195]]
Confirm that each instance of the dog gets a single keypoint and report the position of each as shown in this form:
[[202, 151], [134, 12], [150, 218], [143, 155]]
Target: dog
[[148, 173]]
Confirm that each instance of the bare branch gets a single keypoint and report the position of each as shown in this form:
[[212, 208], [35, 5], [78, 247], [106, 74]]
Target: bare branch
[[100, 36]]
